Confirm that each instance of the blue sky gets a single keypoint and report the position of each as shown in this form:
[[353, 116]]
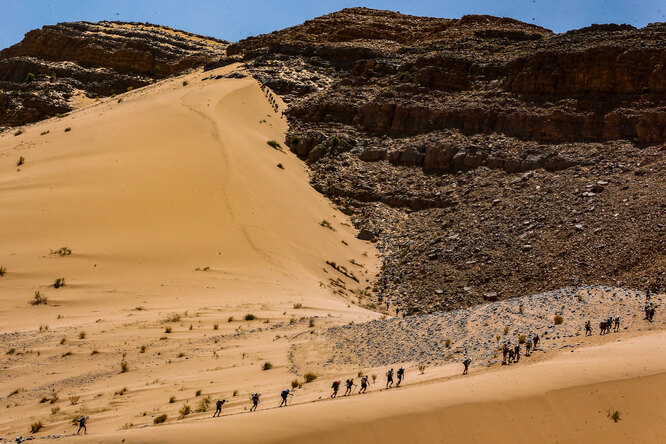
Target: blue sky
[[234, 20]]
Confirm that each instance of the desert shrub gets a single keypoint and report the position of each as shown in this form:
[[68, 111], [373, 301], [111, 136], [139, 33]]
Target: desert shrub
[[266, 366], [185, 410], [39, 299], [184, 82], [334, 141], [54, 397], [55, 410], [497, 337], [198, 393], [172, 400], [62, 341], [235, 393], [374, 378], [615, 415], [174, 317], [580, 297], [309, 377], [63, 251], [60, 282], [279, 165], [215, 326], [3, 270], [74, 399], [422, 368], [43, 328], [43, 133], [274, 144], [521, 309], [124, 366], [121, 392], [120, 100], [160, 419], [522, 339], [230, 319], [249, 317], [506, 330], [326, 224], [130, 88], [29, 78], [558, 319], [167, 330], [447, 343], [36, 427], [61, 115], [204, 403], [82, 334], [68, 129], [311, 323], [180, 355], [142, 349], [295, 140], [15, 392], [298, 305], [94, 352], [67, 353], [11, 351], [21, 161]]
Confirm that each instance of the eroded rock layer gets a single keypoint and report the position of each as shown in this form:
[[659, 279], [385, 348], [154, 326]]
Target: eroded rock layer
[[486, 157], [40, 75]]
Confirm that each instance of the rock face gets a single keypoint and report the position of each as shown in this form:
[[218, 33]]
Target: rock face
[[474, 150], [39, 75]]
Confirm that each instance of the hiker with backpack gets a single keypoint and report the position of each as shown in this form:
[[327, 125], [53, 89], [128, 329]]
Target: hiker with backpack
[[218, 407], [389, 379], [505, 352], [528, 346], [588, 328], [335, 387], [255, 401], [617, 324], [349, 384], [401, 376], [516, 353], [364, 384], [466, 363], [535, 340], [83, 420], [285, 396]]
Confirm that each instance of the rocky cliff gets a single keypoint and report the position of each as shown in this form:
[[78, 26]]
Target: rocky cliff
[[40, 75], [485, 156]]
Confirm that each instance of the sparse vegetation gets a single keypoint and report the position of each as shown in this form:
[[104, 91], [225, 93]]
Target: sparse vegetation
[[198, 393], [60, 282], [326, 224], [67, 353], [215, 326], [180, 355], [29, 78], [94, 352], [39, 299], [142, 349], [266, 366], [274, 144], [55, 410], [279, 165], [235, 393], [21, 161], [62, 341], [160, 419], [374, 377], [174, 317], [15, 392], [580, 297], [309, 377], [124, 366], [558, 319], [3, 270], [296, 384], [506, 330], [74, 399], [520, 309], [172, 400], [422, 368], [82, 334], [249, 317], [614, 415], [184, 82], [334, 141], [167, 330], [204, 403], [447, 343], [230, 319], [121, 392], [184, 411], [522, 339], [43, 133], [342, 269], [311, 323], [36, 427], [295, 140], [11, 351], [68, 129], [61, 115]]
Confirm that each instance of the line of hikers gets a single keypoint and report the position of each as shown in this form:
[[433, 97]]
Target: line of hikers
[[269, 95], [512, 354]]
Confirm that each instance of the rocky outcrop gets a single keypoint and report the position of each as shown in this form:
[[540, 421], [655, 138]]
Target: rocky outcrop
[[482, 155], [39, 75]]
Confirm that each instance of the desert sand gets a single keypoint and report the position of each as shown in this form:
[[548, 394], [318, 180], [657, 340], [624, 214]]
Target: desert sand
[[181, 220]]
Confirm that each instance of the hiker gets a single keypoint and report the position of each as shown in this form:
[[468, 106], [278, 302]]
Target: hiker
[[349, 383], [285, 395], [466, 363], [650, 315], [335, 387], [83, 420], [364, 384], [389, 379], [528, 346], [617, 323], [609, 324], [516, 353], [505, 352], [588, 328], [510, 356], [536, 341], [602, 327], [401, 376], [218, 407], [255, 401]]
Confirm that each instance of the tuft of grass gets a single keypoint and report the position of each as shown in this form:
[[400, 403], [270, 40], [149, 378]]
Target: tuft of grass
[[180, 355], [62, 341], [522, 339], [11, 351], [309, 377], [3, 270], [29, 78], [580, 297], [216, 326], [60, 282], [184, 82], [167, 330], [374, 377], [15, 392], [124, 366], [94, 352], [311, 323], [55, 410], [82, 334], [121, 392], [198, 393], [36, 427], [174, 317], [279, 165], [68, 353], [266, 366], [39, 299], [184, 411], [298, 305], [160, 419], [54, 397], [230, 319], [326, 224], [422, 368], [296, 383], [204, 403], [21, 161], [74, 399], [615, 415], [558, 319], [142, 349], [497, 337], [334, 141], [274, 144], [506, 330], [172, 400], [235, 393], [447, 343], [360, 373], [249, 317], [68, 129]]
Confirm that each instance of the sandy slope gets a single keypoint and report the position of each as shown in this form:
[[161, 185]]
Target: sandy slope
[[144, 191]]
